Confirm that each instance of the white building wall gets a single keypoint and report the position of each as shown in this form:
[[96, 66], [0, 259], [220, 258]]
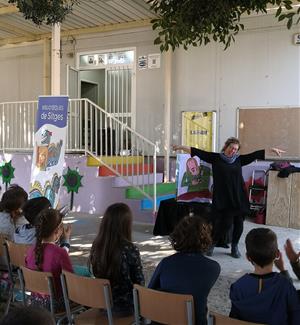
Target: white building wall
[[260, 69]]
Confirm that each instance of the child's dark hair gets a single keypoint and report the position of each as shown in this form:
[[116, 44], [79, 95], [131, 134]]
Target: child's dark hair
[[33, 207], [191, 235], [29, 315], [47, 223], [115, 231], [261, 246], [13, 199]]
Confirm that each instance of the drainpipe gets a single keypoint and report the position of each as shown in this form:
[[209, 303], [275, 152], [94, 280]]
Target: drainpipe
[[55, 60], [167, 115]]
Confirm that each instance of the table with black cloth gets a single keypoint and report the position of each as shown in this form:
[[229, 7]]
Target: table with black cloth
[[171, 211]]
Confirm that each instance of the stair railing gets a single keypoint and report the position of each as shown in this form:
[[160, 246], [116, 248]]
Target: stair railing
[[90, 130]]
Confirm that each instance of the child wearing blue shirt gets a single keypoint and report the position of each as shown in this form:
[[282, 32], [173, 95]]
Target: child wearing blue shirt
[[264, 296]]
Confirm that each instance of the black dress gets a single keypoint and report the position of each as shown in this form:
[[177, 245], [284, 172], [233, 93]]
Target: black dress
[[230, 202], [229, 191]]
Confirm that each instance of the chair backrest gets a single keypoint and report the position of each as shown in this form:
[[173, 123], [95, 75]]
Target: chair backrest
[[2, 242], [218, 319], [16, 253], [86, 291], [37, 281], [163, 307]]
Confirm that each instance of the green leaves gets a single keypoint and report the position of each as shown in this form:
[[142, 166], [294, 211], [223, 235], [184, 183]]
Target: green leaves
[[44, 11], [198, 22]]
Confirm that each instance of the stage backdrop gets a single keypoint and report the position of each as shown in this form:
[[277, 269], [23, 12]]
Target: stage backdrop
[[49, 148], [193, 179]]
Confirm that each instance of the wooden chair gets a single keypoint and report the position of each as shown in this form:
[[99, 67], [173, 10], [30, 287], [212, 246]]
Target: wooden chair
[[2, 254], [218, 319], [162, 307], [15, 257], [41, 282], [90, 292]]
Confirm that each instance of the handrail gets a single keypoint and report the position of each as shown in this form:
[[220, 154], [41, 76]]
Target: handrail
[[93, 131]]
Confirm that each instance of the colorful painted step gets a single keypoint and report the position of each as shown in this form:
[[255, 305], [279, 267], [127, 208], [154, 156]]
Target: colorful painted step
[[126, 169], [136, 180], [147, 204], [161, 189], [115, 160]]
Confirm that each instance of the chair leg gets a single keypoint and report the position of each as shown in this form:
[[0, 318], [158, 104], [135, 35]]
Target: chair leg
[[136, 307], [9, 300]]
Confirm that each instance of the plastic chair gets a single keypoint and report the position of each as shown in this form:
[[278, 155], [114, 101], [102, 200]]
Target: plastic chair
[[39, 282], [218, 319], [15, 258], [90, 292], [162, 307]]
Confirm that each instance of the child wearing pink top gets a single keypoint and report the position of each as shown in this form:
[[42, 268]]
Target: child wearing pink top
[[46, 256]]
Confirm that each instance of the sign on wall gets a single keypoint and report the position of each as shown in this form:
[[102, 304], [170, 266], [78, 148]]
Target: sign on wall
[[198, 130], [49, 147]]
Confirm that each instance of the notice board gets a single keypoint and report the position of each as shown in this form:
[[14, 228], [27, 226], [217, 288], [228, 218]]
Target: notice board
[[263, 128]]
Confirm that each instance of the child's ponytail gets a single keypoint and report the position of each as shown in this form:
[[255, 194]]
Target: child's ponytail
[[47, 223]]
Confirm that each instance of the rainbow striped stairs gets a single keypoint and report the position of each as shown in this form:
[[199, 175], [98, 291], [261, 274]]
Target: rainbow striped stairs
[[132, 165]]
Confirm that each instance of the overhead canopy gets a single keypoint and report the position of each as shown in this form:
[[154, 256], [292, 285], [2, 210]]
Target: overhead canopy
[[89, 16]]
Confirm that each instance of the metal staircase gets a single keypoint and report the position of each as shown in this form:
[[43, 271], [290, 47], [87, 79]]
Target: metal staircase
[[93, 131]]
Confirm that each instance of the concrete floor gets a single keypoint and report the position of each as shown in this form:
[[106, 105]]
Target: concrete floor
[[154, 248]]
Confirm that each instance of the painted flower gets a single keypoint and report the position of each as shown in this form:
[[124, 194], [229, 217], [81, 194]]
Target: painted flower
[[72, 180], [7, 172]]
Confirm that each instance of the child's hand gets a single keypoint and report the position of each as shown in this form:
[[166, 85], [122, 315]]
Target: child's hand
[[279, 263], [66, 232], [290, 252]]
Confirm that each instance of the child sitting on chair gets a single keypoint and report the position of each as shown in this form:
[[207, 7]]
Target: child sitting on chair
[[46, 256], [264, 296], [114, 257], [189, 271], [11, 205]]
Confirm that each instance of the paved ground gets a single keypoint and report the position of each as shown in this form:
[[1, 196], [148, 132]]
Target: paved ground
[[154, 248]]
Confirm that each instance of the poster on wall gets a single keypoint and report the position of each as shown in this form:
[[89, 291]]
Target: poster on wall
[[198, 130], [193, 179], [49, 148], [142, 62]]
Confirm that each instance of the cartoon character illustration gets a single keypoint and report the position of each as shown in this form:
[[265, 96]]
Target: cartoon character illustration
[[196, 178], [46, 136], [54, 153], [50, 190], [42, 157], [48, 153]]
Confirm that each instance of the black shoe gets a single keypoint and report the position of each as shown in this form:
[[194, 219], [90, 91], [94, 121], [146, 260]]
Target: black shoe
[[235, 251]]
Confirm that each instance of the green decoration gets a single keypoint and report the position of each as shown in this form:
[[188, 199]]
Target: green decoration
[[197, 22], [7, 173], [72, 181], [45, 11]]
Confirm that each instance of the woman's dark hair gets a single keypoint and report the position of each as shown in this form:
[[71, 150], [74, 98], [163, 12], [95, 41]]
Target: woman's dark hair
[[33, 207], [114, 232], [261, 246], [47, 222], [230, 141], [191, 235], [13, 199]]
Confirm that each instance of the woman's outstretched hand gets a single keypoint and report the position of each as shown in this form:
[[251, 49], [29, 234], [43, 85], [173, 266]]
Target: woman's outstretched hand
[[278, 151], [177, 147]]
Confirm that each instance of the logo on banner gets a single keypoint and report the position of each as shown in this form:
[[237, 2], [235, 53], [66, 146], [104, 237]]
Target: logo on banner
[[49, 149]]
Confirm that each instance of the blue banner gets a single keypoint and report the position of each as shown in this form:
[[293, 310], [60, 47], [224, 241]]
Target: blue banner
[[49, 148], [52, 110]]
